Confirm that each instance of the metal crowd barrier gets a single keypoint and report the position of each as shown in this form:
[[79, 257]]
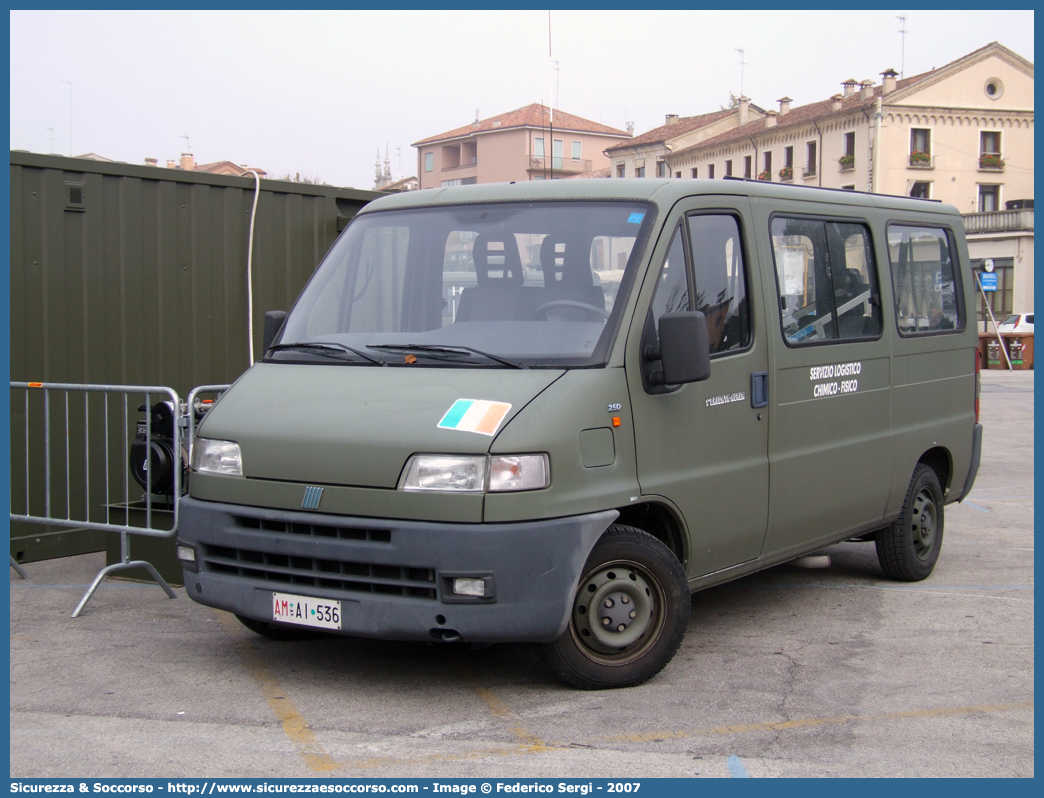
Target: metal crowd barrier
[[62, 444], [190, 412], [18, 568]]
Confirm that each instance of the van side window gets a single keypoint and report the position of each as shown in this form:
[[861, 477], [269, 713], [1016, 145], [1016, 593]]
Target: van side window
[[926, 298], [826, 279], [720, 279], [672, 289]]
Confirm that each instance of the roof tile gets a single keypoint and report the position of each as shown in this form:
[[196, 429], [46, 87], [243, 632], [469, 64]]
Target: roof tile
[[534, 115], [682, 125]]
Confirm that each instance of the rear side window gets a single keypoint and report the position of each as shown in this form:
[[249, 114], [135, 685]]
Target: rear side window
[[827, 280], [926, 295]]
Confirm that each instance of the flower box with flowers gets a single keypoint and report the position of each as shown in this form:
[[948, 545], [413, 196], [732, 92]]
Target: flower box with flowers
[[786, 174], [846, 162], [991, 161], [766, 175], [922, 159]]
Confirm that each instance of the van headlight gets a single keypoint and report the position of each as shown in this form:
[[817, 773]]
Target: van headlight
[[468, 473], [217, 457]]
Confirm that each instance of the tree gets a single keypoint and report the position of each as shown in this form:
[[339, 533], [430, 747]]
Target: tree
[[733, 102]]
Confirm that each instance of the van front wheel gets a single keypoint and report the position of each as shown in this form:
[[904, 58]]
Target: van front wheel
[[628, 616], [909, 548]]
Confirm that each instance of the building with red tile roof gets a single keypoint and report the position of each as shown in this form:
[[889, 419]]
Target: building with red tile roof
[[961, 133], [646, 155], [530, 143]]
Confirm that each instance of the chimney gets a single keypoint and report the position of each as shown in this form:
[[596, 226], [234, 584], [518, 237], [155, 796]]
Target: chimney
[[476, 122], [671, 119], [770, 118], [836, 105], [170, 163], [744, 109], [188, 163], [849, 86], [151, 162], [784, 105], [867, 89], [888, 84]]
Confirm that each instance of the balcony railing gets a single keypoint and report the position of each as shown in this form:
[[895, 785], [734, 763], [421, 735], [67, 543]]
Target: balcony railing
[[808, 171], [998, 221], [543, 163], [472, 165]]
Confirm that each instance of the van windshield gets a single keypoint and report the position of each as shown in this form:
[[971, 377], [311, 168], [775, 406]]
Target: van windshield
[[491, 285]]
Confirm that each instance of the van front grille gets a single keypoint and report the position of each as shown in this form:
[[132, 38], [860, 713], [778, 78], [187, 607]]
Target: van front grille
[[316, 530], [392, 580]]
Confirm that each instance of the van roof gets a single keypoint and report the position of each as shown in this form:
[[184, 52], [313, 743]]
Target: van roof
[[663, 191]]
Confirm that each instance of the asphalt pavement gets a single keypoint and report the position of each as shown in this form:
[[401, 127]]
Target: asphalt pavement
[[796, 671]]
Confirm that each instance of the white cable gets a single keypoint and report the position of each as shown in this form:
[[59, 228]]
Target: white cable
[[250, 275]]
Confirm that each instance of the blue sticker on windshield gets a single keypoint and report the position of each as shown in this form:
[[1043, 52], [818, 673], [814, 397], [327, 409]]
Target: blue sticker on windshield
[[635, 218]]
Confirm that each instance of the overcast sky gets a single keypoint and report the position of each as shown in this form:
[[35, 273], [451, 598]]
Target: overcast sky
[[319, 93]]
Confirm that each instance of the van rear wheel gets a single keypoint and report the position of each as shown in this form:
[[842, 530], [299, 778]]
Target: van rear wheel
[[628, 616], [909, 548]]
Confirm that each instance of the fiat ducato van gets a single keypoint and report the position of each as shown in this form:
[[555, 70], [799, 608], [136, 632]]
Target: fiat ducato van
[[550, 411]]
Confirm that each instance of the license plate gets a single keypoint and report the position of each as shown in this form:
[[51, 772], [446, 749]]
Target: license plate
[[306, 611]]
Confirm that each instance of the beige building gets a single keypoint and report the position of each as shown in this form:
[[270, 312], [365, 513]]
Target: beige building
[[962, 134], [1005, 238], [646, 155], [524, 144]]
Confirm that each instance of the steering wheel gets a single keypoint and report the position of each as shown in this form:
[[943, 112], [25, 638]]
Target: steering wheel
[[543, 312]]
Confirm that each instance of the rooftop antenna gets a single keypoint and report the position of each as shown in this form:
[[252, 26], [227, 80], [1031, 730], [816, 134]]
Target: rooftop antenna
[[398, 154], [742, 64], [558, 71], [902, 62], [551, 110], [51, 130], [70, 116], [188, 144]]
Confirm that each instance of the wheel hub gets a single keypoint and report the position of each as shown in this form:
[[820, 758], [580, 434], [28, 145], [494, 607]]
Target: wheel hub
[[617, 611], [614, 609]]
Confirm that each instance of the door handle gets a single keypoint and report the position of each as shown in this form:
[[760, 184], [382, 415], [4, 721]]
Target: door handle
[[759, 389]]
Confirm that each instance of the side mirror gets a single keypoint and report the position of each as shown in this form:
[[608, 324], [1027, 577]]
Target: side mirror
[[273, 324], [684, 351]]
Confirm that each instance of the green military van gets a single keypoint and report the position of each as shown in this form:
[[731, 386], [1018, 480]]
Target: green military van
[[548, 411]]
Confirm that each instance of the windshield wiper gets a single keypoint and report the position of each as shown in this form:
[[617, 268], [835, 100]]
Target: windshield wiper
[[329, 347], [451, 350]]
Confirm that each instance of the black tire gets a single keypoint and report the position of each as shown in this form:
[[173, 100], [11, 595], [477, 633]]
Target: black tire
[[642, 591], [909, 548], [277, 631]]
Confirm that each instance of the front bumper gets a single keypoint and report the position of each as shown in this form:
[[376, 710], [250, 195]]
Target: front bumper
[[389, 574]]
